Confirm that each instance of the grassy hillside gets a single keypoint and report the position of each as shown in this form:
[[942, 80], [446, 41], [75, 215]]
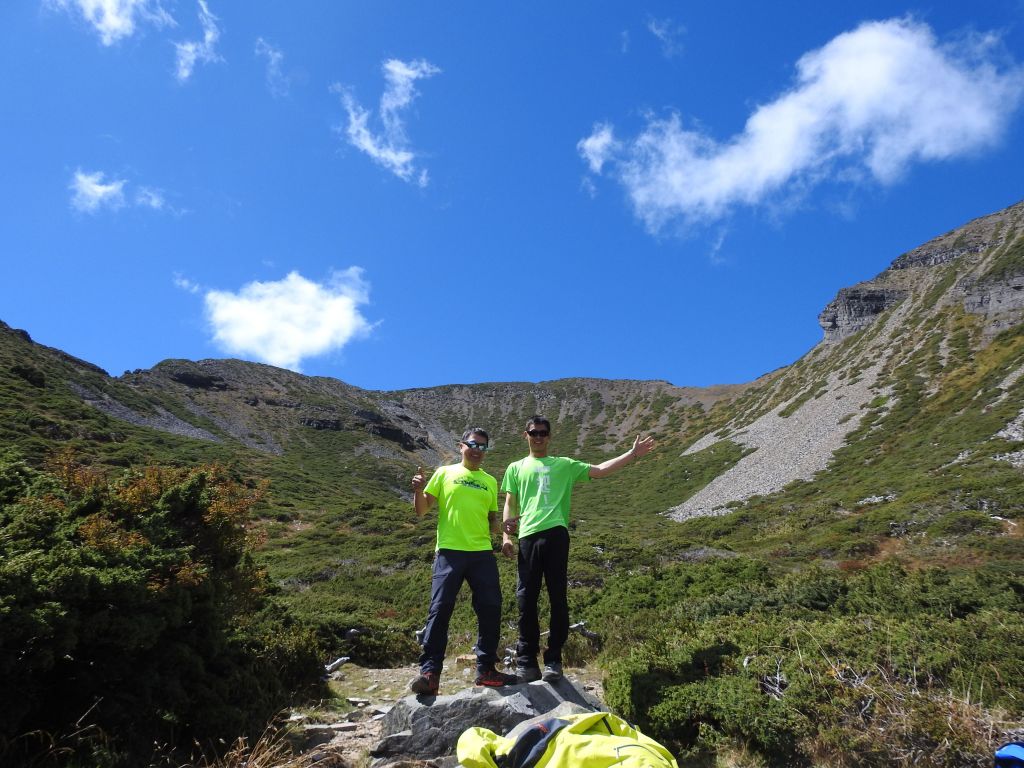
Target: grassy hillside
[[846, 554]]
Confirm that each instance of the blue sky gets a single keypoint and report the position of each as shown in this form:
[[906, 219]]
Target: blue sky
[[412, 194]]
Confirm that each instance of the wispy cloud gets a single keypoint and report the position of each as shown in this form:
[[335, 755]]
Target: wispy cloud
[[117, 19], [865, 106], [89, 192], [148, 197], [715, 252], [283, 322], [277, 81], [390, 149], [199, 51], [92, 192], [182, 282], [669, 34]]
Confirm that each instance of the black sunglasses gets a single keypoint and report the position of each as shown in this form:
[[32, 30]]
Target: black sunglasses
[[476, 445], [538, 432]]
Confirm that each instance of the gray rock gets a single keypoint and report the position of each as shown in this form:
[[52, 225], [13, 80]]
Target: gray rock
[[428, 728], [854, 309], [315, 734]]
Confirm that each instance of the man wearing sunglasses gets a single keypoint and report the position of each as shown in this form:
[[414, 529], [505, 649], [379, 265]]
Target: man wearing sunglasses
[[538, 492], [467, 499]]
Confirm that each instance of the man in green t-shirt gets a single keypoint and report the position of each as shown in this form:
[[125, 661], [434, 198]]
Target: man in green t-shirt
[[538, 492], [467, 499]]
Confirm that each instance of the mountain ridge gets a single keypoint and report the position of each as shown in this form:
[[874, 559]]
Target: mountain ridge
[[865, 500]]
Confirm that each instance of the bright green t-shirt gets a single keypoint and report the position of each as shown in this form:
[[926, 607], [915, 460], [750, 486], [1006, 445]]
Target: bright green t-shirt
[[464, 497], [543, 488]]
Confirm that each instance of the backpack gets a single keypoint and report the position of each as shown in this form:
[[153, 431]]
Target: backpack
[[589, 740], [1010, 755]]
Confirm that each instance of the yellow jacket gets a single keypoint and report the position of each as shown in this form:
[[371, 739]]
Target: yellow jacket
[[590, 740]]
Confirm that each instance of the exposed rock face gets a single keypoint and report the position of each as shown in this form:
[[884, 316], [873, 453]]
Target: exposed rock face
[[160, 419], [855, 308], [974, 237], [1001, 302]]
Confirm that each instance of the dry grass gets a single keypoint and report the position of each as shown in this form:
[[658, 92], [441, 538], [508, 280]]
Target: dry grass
[[273, 750], [899, 724]]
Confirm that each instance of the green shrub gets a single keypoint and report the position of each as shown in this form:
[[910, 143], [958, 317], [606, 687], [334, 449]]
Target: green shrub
[[132, 605], [827, 689]]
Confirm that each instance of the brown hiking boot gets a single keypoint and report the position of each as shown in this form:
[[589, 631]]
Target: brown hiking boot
[[425, 684]]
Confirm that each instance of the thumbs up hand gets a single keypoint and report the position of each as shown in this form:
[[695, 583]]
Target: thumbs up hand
[[419, 480]]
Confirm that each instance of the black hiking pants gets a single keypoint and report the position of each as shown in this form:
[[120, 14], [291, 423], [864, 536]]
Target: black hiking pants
[[543, 556]]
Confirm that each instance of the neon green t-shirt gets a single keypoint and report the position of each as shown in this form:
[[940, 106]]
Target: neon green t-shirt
[[464, 497], [543, 488]]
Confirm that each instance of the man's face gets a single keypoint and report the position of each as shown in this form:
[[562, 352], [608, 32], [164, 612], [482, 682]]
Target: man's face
[[538, 436], [473, 449]]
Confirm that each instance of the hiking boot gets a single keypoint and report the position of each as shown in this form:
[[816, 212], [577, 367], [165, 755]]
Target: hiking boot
[[552, 672], [425, 684], [528, 674], [492, 678]]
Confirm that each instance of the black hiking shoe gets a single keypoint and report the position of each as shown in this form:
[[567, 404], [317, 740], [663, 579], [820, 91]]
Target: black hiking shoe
[[552, 672], [528, 674], [492, 678]]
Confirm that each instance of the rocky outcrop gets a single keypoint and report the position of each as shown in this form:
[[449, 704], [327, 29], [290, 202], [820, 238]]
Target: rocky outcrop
[[856, 308], [973, 237], [199, 380], [1001, 301]]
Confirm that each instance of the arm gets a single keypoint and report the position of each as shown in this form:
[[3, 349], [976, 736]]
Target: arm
[[422, 502], [610, 467], [510, 521]]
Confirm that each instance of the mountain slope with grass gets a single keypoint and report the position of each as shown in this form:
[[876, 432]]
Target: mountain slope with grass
[[820, 566]]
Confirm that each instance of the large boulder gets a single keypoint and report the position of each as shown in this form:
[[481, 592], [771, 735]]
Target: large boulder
[[428, 727]]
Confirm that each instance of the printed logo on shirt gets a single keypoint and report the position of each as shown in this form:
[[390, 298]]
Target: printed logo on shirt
[[544, 481], [470, 483]]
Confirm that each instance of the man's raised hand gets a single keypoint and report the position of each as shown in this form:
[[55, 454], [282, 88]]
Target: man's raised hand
[[642, 447]]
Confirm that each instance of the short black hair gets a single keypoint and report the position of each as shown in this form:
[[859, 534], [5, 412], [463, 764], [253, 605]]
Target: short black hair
[[538, 421], [475, 431]]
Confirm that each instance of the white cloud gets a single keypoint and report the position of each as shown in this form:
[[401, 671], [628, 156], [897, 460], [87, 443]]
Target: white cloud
[[390, 149], [285, 321], [117, 19], [277, 81], [865, 106], [199, 51], [598, 147], [89, 193], [668, 34]]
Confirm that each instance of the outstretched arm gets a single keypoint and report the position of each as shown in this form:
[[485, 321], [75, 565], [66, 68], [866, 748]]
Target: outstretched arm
[[610, 467]]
